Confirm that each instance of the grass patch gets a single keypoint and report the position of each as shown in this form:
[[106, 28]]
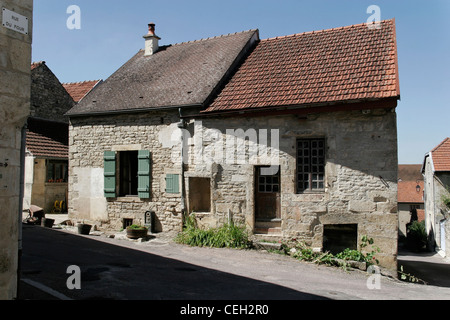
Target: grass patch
[[227, 236]]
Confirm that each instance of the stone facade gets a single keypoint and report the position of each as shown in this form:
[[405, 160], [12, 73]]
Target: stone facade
[[436, 185], [88, 140], [49, 99], [360, 177], [360, 172], [15, 59]]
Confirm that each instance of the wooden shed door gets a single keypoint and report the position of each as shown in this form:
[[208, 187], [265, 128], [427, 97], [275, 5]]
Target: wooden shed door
[[267, 195]]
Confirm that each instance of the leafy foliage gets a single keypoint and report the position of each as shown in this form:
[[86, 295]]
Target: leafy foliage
[[417, 235], [227, 236], [299, 250]]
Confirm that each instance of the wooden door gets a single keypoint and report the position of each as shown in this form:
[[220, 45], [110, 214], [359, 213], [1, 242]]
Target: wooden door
[[267, 195]]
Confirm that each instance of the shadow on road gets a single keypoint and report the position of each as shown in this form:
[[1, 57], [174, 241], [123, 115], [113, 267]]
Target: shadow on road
[[427, 266], [114, 272]]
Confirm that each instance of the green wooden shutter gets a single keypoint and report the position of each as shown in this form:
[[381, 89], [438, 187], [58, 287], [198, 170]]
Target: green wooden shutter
[[110, 174], [173, 183], [144, 171]]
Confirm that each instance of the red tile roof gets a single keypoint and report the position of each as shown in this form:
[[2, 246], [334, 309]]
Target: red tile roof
[[441, 156], [45, 147], [34, 65], [47, 139], [407, 192], [410, 172], [348, 64], [78, 90]]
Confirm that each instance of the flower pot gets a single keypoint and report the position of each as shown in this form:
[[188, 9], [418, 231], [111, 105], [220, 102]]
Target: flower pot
[[137, 233], [47, 223], [84, 228]]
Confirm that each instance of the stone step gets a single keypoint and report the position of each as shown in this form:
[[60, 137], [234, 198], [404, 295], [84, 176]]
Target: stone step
[[268, 230]]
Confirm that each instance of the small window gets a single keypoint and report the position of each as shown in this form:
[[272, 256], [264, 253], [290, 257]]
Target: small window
[[57, 171], [128, 173], [127, 223], [310, 165]]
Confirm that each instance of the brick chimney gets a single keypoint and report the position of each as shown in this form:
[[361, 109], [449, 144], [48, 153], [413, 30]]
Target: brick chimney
[[151, 40]]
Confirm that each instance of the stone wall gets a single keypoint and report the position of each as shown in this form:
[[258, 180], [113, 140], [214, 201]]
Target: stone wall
[[90, 137], [361, 175], [436, 185], [49, 99], [15, 60]]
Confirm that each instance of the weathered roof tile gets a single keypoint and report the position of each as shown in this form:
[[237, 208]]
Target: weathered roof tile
[[335, 65]]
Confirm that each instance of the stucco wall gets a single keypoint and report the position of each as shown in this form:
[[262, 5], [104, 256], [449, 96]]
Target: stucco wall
[[15, 60]]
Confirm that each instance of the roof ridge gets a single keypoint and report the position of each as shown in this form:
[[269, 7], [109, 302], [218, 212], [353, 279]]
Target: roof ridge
[[324, 30], [440, 144], [215, 37], [80, 82]]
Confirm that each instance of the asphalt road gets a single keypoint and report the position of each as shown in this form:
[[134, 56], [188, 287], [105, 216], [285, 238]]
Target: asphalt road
[[112, 269]]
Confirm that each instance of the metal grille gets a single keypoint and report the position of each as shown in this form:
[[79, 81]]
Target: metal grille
[[310, 164]]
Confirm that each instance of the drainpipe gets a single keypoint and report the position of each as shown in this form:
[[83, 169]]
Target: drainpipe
[[21, 195], [182, 125]]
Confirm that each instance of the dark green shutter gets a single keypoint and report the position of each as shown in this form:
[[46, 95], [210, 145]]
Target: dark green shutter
[[144, 170], [110, 174], [173, 183]]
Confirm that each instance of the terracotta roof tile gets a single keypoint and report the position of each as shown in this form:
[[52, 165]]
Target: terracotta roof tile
[[407, 192], [78, 90], [335, 65], [34, 65], [47, 139], [441, 156]]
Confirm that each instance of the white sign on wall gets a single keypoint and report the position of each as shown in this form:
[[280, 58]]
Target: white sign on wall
[[14, 21]]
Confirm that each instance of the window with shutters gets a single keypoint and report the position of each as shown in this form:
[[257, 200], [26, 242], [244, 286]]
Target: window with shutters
[[310, 165], [127, 173]]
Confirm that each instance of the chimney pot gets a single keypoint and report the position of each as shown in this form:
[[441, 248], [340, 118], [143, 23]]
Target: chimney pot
[[151, 40]]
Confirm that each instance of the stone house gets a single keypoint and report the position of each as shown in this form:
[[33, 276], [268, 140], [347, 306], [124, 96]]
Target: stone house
[[436, 172], [410, 196], [47, 141], [15, 60], [294, 137]]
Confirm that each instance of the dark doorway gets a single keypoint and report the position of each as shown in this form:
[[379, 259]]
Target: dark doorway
[[338, 237]]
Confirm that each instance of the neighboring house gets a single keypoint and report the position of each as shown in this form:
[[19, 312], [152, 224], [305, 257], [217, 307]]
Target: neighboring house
[[78, 90], [436, 172], [47, 141], [410, 196], [294, 137]]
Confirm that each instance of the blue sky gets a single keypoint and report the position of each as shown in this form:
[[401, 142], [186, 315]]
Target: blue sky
[[111, 33]]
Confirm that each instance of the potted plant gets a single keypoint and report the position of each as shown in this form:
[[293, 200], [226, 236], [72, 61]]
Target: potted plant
[[136, 231], [84, 229]]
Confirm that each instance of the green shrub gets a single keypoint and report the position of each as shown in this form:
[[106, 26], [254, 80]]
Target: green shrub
[[300, 251], [417, 235], [227, 236]]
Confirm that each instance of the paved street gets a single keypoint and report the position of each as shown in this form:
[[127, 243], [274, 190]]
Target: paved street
[[161, 270]]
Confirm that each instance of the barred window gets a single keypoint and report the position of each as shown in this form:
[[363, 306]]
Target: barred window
[[310, 165]]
